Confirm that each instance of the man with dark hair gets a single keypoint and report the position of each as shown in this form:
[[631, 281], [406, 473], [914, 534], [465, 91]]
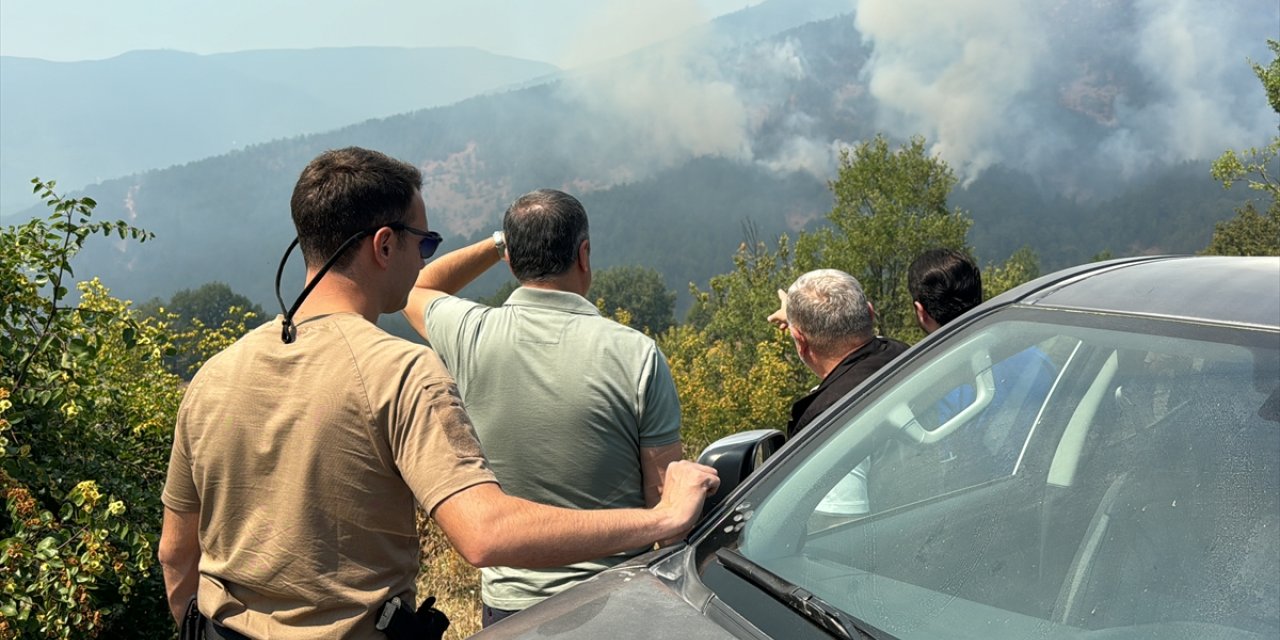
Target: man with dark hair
[[547, 228], [300, 450], [943, 283], [572, 409]]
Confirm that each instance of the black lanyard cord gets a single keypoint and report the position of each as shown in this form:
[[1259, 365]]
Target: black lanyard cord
[[289, 331]]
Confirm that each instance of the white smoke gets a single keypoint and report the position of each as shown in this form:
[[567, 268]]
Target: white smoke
[[773, 68], [1180, 48], [657, 107], [618, 28], [784, 61], [953, 71], [1029, 84], [1083, 94], [131, 202], [122, 245], [812, 156], [666, 109], [698, 93]]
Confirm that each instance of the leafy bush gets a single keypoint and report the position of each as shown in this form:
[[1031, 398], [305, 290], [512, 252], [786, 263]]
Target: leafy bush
[[86, 423], [890, 206], [734, 371], [1252, 232], [190, 312], [639, 291]]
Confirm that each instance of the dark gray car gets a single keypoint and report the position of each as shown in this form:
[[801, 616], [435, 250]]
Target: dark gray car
[[1093, 455]]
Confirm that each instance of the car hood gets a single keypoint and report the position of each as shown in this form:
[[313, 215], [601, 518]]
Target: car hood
[[627, 602]]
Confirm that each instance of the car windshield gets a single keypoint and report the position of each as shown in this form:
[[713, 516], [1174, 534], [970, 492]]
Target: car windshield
[[1038, 474]]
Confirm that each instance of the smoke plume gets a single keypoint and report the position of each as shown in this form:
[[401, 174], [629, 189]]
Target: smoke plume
[[1113, 88], [1082, 94]]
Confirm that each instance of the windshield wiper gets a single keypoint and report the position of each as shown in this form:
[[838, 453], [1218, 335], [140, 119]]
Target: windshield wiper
[[831, 618]]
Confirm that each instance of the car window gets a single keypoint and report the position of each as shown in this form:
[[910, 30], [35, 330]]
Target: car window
[[980, 427], [1039, 475]]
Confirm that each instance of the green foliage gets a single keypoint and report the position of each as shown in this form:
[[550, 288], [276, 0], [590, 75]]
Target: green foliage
[[1270, 76], [84, 426], [1022, 266], [1254, 165], [737, 303], [192, 313], [86, 415], [733, 370], [649, 304], [890, 205], [210, 304], [1251, 233], [727, 386]]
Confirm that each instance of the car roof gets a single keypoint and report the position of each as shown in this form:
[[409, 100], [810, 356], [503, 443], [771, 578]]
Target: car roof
[[1211, 289]]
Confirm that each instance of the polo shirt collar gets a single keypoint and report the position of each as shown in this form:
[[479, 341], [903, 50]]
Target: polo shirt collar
[[551, 299]]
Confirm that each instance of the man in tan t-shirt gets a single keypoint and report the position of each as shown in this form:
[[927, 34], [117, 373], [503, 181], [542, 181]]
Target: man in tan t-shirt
[[300, 450]]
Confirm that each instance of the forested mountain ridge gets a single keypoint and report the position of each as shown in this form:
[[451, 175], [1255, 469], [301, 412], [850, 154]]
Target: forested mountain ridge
[[152, 109], [673, 149]]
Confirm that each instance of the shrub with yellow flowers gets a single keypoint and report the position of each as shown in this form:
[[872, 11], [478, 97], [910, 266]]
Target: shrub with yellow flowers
[[86, 422]]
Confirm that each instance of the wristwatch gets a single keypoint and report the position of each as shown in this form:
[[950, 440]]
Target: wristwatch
[[500, 243]]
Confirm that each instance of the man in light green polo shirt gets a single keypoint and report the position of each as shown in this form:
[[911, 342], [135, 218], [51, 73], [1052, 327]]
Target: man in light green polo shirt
[[572, 409]]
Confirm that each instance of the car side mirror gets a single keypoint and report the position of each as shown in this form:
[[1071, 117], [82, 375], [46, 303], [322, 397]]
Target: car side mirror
[[735, 457]]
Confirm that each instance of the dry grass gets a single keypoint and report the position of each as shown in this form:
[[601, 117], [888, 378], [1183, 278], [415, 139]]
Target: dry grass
[[454, 583]]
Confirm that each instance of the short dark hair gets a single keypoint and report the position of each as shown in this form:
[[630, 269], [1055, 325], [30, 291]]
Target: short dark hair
[[544, 229], [946, 282], [345, 191]]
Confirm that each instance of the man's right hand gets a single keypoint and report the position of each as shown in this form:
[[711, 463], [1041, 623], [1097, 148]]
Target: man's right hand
[[779, 317], [684, 489]]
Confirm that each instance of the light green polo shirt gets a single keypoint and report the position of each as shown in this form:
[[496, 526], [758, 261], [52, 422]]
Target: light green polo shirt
[[562, 400]]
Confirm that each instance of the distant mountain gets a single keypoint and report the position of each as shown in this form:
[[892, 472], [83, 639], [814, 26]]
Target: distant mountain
[[677, 147], [83, 122], [766, 19]]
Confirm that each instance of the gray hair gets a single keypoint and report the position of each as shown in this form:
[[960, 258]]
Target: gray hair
[[829, 308]]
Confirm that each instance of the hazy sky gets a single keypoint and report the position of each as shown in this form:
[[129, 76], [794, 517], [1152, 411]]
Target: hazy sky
[[562, 32]]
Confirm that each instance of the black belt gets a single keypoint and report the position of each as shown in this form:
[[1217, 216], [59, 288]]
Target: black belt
[[215, 631]]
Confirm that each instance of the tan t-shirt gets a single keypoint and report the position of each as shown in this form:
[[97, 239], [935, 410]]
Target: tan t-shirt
[[304, 461]]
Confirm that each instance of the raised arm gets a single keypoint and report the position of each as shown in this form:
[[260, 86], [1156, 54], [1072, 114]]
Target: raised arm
[[447, 275], [490, 528]]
